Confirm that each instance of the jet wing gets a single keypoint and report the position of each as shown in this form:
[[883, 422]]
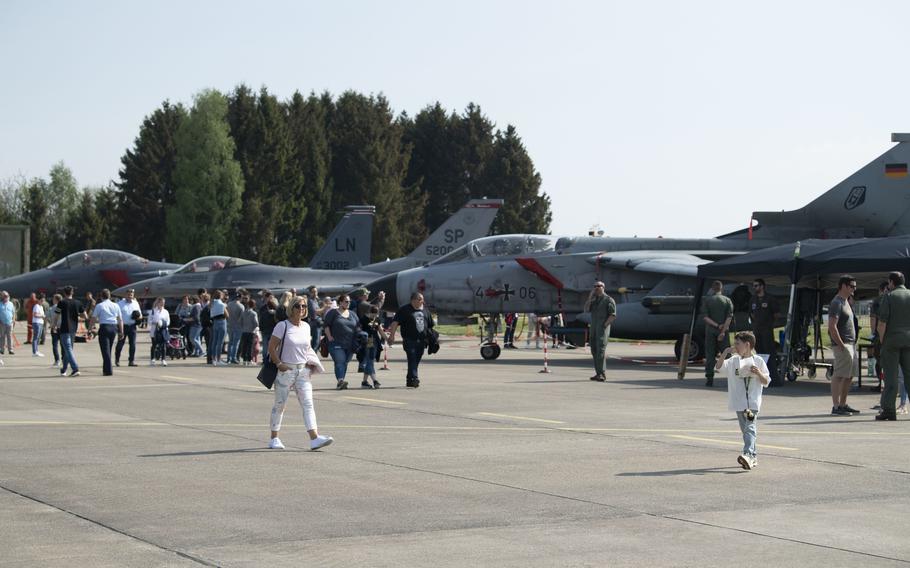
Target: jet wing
[[658, 262]]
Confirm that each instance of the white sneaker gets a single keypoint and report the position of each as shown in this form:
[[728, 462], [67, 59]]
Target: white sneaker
[[163, 363], [37, 354], [902, 409], [275, 444], [745, 461], [320, 442], [152, 363]]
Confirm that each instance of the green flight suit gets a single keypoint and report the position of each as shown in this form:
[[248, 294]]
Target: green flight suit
[[717, 307], [602, 307], [895, 312]]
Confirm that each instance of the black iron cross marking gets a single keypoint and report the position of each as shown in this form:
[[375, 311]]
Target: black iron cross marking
[[507, 292]]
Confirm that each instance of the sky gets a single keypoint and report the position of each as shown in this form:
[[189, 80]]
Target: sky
[[661, 118]]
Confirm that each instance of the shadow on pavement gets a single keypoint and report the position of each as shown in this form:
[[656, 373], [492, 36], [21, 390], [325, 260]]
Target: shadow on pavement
[[702, 471]]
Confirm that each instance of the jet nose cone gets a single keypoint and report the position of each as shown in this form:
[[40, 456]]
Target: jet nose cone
[[389, 285]]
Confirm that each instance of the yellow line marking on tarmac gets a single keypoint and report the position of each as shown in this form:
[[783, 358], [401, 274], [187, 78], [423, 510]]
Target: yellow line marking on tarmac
[[764, 431], [736, 443], [155, 385], [373, 400], [520, 417], [68, 423], [177, 378]]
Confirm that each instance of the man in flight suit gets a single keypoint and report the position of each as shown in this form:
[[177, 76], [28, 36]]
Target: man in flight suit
[[894, 330], [603, 311], [717, 313]]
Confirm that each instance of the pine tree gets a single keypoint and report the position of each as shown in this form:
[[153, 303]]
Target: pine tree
[[312, 157], [208, 183], [91, 227], [369, 163], [511, 172], [145, 191], [35, 212]]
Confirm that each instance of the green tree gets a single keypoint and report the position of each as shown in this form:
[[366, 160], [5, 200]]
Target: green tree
[[312, 156], [62, 198], [208, 183], [146, 191], [511, 172], [35, 212], [273, 204], [369, 163], [92, 225], [448, 157]]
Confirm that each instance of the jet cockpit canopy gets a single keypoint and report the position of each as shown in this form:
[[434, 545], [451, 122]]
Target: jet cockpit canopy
[[211, 264], [500, 246], [95, 257]]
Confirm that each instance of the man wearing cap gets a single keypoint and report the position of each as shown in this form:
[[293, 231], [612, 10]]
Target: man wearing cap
[[717, 313], [603, 311], [763, 311], [128, 308]]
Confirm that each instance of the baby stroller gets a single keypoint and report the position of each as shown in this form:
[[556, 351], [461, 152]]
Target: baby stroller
[[176, 345]]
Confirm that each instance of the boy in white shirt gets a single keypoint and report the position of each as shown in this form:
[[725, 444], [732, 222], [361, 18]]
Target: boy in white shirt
[[747, 375], [37, 318]]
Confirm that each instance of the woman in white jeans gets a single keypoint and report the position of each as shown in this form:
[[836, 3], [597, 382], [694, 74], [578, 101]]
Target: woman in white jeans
[[290, 347]]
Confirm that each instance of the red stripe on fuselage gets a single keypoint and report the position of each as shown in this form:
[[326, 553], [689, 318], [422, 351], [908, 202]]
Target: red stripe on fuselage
[[116, 278], [534, 267]]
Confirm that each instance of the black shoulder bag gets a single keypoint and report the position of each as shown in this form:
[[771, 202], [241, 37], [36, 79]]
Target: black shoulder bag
[[269, 370]]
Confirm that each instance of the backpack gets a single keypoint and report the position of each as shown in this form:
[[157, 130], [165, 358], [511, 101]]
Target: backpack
[[205, 317]]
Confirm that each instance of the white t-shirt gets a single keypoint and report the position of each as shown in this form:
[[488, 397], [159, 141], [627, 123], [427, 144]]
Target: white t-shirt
[[296, 342], [158, 319], [38, 314], [737, 370]]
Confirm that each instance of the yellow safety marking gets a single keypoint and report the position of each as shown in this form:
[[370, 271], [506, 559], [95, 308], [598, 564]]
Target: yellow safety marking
[[67, 423], [177, 378], [374, 400], [765, 431], [520, 417], [739, 443], [80, 387]]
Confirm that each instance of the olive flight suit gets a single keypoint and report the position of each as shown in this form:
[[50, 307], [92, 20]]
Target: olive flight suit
[[717, 307], [602, 307], [895, 312]]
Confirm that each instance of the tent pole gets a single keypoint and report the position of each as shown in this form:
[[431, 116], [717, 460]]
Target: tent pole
[[684, 350], [788, 329]]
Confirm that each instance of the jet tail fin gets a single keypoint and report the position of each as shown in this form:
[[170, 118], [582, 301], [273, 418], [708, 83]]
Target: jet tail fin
[[873, 202], [471, 222], [349, 244]]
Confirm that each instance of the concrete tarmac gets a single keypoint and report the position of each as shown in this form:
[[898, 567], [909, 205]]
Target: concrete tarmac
[[486, 464]]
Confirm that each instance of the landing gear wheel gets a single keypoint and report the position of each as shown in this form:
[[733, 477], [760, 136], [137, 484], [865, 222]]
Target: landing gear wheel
[[696, 349], [490, 351]]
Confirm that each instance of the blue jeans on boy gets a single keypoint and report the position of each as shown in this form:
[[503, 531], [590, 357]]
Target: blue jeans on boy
[[195, 342], [369, 361], [233, 344], [341, 357], [749, 429], [55, 344], [36, 335]]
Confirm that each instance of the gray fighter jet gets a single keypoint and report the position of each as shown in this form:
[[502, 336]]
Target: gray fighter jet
[[221, 272], [86, 271], [652, 280]]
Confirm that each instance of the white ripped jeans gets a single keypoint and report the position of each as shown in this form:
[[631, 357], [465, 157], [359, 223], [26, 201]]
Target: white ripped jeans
[[296, 378]]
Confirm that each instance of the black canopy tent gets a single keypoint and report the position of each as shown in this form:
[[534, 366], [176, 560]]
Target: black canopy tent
[[814, 264]]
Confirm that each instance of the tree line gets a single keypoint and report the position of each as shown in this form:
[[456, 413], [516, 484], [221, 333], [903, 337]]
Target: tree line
[[246, 174]]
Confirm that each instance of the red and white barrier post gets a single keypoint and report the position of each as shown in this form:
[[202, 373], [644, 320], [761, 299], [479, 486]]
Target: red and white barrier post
[[546, 355]]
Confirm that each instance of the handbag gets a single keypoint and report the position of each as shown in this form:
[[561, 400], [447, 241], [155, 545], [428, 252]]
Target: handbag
[[269, 371], [324, 347]]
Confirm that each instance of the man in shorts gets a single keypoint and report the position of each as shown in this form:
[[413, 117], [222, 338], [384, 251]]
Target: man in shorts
[[843, 341]]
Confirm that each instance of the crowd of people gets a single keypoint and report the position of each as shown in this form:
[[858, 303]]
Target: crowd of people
[[292, 329], [288, 330]]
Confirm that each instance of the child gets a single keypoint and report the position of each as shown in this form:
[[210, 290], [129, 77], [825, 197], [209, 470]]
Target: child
[[372, 328], [747, 375]]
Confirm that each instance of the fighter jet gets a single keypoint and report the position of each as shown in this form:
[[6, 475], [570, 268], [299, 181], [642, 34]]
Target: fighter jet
[[221, 272], [652, 280], [86, 271]]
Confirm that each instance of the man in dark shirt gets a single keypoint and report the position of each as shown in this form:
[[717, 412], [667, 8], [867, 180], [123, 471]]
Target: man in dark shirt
[[70, 310], [416, 322]]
